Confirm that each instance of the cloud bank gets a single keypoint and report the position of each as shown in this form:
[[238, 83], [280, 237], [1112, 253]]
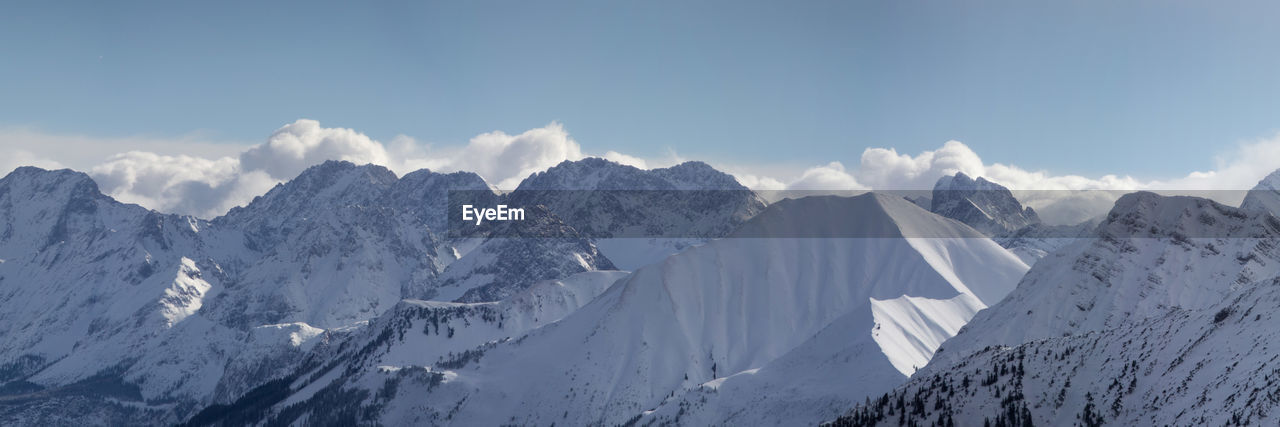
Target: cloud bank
[[193, 176], [208, 187], [1069, 199], [501, 159]]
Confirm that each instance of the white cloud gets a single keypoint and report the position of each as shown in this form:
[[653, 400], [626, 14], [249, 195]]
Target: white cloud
[[83, 152], [166, 174], [208, 186], [14, 158], [831, 176], [303, 143], [162, 176], [884, 168], [757, 182], [503, 160], [192, 175], [185, 184], [617, 157], [1071, 198], [1238, 169]]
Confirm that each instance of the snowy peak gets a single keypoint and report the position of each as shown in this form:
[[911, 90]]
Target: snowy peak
[[324, 186], [694, 175], [53, 192], [1146, 214], [962, 182], [603, 199], [594, 173], [1269, 182], [40, 208], [992, 209], [341, 243], [638, 216], [1264, 197], [984, 205], [425, 195], [50, 182]]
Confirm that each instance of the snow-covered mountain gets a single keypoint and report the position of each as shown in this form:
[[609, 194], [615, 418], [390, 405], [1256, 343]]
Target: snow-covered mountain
[[1162, 319], [594, 214], [694, 336], [1036, 241], [91, 289], [991, 208], [1153, 253], [982, 204], [516, 255], [637, 216], [1264, 197], [1211, 366], [137, 317], [113, 313], [333, 246]]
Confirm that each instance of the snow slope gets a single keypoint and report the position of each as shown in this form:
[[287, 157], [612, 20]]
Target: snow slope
[[1034, 242], [1153, 253], [417, 343], [1165, 318], [1211, 366], [518, 254]]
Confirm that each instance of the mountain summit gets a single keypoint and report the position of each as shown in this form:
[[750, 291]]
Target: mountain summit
[[638, 216], [604, 199], [982, 204], [1264, 197]]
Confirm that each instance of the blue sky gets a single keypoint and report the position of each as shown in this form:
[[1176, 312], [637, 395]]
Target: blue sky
[[1071, 87]]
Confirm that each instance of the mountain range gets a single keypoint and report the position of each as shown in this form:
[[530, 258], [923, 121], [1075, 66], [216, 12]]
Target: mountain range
[[349, 295], [691, 337], [137, 316]]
